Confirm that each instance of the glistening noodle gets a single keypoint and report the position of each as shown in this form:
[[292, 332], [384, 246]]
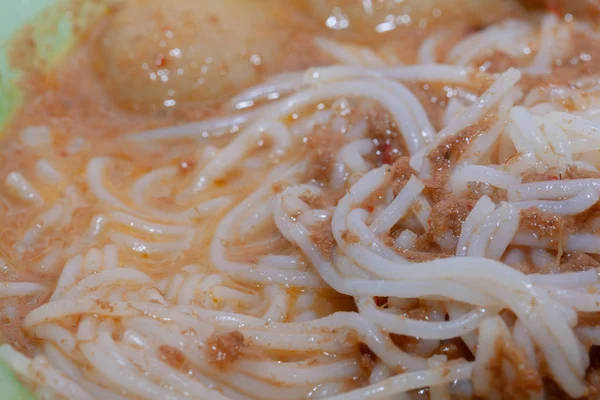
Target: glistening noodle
[[380, 225]]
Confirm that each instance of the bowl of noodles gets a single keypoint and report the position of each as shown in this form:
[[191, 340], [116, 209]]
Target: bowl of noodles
[[313, 199]]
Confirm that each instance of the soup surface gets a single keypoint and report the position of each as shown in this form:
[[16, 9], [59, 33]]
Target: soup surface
[[336, 199]]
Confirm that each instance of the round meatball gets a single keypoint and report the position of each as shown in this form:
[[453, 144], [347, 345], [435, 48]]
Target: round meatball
[[360, 20], [160, 54]]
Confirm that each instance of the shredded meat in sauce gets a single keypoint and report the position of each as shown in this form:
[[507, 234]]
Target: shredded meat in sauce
[[448, 215], [527, 379], [173, 356], [543, 224], [324, 146], [553, 174], [577, 261], [450, 150], [223, 349], [322, 237], [402, 172]]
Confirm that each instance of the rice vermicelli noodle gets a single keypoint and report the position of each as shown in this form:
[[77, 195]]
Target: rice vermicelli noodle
[[332, 234]]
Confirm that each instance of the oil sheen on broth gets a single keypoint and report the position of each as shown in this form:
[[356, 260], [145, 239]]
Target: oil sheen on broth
[[308, 199]]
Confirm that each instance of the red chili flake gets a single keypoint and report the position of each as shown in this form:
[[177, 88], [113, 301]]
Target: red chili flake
[[160, 60], [386, 153], [380, 301], [554, 8]]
